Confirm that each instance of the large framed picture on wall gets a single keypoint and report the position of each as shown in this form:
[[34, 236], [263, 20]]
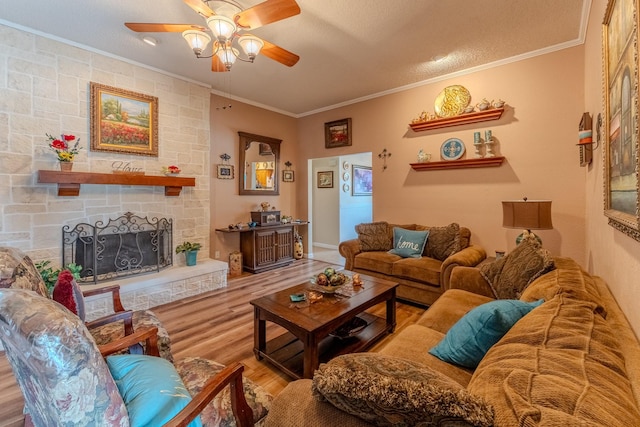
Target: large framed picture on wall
[[620, 50]]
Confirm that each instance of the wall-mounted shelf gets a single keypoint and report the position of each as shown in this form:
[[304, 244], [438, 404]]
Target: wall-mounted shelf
[[485, 162], [463, 119], [69, 182]]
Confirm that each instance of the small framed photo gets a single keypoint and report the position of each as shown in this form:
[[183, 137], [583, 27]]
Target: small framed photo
[[287, 176], [362, 181], [337, 133], [225, 171], [325, 179]]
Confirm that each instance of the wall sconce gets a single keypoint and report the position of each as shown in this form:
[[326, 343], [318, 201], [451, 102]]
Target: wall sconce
[[585, 138], [383, 155]]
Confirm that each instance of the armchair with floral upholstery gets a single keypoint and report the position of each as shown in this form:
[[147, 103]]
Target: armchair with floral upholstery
[[19, 272], [66, 381]]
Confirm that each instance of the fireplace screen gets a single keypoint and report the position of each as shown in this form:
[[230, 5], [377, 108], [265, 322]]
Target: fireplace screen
[[125, 246]]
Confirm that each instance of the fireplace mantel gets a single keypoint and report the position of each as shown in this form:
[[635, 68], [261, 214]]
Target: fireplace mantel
[[69, 182]]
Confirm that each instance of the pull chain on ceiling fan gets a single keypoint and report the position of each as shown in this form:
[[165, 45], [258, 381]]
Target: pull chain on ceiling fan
[[225, 24]]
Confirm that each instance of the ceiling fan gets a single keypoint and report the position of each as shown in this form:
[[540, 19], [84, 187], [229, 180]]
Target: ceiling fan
[[226, 26]]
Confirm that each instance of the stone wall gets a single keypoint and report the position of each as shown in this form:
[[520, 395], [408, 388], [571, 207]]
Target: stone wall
[[44, 88]]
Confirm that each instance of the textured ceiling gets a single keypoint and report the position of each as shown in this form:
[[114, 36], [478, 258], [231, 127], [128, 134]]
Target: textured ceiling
[[349, 49]]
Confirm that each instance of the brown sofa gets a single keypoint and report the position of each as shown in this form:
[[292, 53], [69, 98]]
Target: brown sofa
[[572, 361], [422, 280]]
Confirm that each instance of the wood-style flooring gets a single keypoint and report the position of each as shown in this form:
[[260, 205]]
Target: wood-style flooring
[[217, 325]]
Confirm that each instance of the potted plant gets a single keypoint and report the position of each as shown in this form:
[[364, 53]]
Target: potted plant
[[190, 251]]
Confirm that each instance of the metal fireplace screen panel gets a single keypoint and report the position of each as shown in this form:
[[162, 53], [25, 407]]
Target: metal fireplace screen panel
[[125, 246]]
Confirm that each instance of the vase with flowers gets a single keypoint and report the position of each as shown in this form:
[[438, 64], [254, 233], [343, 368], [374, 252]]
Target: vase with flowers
[[64, 149]]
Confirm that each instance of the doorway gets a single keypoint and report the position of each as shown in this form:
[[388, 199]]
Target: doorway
[[335, 209]]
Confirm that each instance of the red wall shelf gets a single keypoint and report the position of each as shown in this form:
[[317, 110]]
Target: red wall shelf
[[485, 162], [463, 119]]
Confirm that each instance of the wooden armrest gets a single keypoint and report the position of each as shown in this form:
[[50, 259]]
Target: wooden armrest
[[126, 316], [132, 342], [231, 375], [115, 295]]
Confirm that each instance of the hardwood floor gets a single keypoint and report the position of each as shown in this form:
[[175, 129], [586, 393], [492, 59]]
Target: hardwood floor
[[217, 325]]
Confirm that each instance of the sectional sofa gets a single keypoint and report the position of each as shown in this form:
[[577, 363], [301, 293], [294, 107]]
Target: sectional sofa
[[571, 361]]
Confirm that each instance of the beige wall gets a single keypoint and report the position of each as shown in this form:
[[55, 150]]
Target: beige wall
[[44, 88], [227, 206], [537, 135], [611, 254]]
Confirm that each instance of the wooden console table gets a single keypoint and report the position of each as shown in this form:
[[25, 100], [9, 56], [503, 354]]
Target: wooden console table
[[266, 247]]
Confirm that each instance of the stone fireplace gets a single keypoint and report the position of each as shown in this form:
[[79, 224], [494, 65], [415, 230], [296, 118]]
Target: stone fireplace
[[137, 254]]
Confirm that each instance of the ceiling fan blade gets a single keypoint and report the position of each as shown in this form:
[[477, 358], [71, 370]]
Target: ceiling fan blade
[[200, 7], [279, 54], [267, 12], [166, 28], [217, 66]]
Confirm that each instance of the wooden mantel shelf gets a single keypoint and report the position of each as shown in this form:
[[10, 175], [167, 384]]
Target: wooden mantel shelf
[[459, 164], [462, 119], [69, 182]]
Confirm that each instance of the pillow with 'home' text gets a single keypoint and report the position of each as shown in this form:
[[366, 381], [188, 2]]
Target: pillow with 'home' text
[[408, 243]]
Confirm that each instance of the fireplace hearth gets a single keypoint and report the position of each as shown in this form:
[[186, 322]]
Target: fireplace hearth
[[125, 246]]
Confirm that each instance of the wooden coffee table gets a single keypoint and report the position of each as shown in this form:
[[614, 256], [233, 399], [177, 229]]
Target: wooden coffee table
[[308, 342]]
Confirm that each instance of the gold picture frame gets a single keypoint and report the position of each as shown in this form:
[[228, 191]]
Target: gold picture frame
[[337, 133], [325, 179], [123, 121], [620, 48]]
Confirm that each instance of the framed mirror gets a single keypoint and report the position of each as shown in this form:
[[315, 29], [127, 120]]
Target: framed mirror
[[259, 156]]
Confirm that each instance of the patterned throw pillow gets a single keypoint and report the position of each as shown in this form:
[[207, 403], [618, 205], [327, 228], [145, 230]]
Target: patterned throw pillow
[[373, 236], [68, 293], [443, 241], [408, 243], [386, 391], [509, 276]]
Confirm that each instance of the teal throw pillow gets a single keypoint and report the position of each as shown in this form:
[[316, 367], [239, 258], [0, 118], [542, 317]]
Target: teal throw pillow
[[408, 243], [151, 389], [467, 341]]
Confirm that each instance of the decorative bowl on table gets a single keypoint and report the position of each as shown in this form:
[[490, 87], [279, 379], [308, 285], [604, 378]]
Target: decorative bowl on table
[[329, 280]]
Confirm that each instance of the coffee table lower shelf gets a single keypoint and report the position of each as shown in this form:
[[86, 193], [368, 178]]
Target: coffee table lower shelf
[[286, 351]]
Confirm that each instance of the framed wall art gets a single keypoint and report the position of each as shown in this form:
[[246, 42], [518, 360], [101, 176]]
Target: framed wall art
[[362, 184], [337, 133], [123, 121], [225, 171], [325, 179], [620, 48], [287, 176]]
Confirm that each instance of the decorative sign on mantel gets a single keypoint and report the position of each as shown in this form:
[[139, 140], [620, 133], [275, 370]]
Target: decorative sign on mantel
[[121, 167]]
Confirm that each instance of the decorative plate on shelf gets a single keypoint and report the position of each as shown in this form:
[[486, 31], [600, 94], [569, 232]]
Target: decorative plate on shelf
[[452, 101], [452, 149]]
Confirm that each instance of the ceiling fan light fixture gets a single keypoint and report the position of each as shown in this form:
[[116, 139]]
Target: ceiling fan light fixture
[[197, 40], [227, 56], [223, 28], [251, 45]]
